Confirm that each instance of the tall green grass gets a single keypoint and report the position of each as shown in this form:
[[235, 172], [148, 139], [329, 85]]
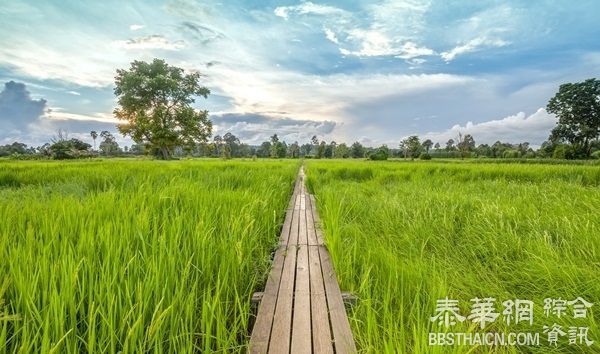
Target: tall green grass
[[135, 256], [403, 235]]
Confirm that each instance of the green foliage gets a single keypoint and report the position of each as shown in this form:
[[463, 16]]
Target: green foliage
[[357, 150], [465, 144], [69, 149], [511, 154], [15, 148], [563, 151], [155, 101], [109, 145], [321, 150], [410, 234], [411, 146], [380, 154], [577, 107], [135, 256], [425, 156], [427, 144], [278, 148]]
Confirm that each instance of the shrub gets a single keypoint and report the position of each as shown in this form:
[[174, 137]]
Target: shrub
[[70, 149], [425, 156], [380, 154], [511, 154], [563, 152]]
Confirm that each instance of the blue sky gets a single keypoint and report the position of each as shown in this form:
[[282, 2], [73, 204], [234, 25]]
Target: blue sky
[[372, 71]]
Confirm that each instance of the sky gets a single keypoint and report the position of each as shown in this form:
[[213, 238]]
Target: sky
[[368, 71]]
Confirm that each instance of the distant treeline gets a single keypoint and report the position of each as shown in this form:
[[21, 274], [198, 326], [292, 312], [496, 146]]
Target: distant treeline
[[153, 119], [229, 146]]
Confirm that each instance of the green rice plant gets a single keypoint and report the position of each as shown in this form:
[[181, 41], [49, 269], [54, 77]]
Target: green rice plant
[[135, 256], [403, 235]]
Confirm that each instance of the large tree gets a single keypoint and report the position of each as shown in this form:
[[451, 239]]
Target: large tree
[[427, 144], [465, 144], [411, 146], [155, 101], [577, 107], [109, 145], [357, 150]]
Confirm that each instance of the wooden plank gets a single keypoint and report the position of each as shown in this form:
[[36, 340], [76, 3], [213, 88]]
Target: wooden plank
[[293, 238], [317, 220], [310, 224], [302, 227], [295, 192], [342, 334], [282, 319], [301, 326], [285, 230], [302, 309], [321, 332], [261, 333]]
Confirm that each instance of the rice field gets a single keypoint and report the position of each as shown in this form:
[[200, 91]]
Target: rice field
[[150, 256], [135, 256], [406, 234]]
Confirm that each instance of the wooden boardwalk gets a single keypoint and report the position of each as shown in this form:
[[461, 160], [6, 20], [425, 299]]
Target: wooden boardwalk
[[301, 310]]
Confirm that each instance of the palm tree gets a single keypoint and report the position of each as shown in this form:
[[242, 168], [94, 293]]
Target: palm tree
[[94, 135]]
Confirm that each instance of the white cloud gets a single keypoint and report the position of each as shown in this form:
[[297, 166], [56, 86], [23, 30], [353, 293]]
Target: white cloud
[[57, 113], [150, 42], [256, 128], [375, 43], [331, 36], [372, 43], [136, 27], [316, 97], [308, 8], [402, 18], [472, 46], [382, 34], [83, 68], [517, 128], [410, 50], [74, 93]]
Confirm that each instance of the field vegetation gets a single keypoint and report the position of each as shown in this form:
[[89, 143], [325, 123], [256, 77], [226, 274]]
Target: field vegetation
[[405, 234], [135, 256]]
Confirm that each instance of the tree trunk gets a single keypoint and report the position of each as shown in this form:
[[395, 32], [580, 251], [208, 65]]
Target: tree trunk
[[165, 153], [162, 153]]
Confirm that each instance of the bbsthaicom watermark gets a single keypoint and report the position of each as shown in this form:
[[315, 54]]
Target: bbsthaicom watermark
[[484, 312]]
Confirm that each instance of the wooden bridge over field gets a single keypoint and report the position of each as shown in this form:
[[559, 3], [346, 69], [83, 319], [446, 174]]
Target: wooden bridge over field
[[301, 309]]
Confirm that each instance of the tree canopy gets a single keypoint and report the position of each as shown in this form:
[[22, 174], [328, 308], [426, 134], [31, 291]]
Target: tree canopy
[[577, 106], [155, 101]]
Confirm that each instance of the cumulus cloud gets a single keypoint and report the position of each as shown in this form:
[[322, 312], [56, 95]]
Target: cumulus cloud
[[136, 27], [517, 128], [31, 121], [17, 108], [154, 41]]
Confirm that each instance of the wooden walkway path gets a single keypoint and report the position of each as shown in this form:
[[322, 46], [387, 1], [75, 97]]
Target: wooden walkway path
[[301, 310]]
